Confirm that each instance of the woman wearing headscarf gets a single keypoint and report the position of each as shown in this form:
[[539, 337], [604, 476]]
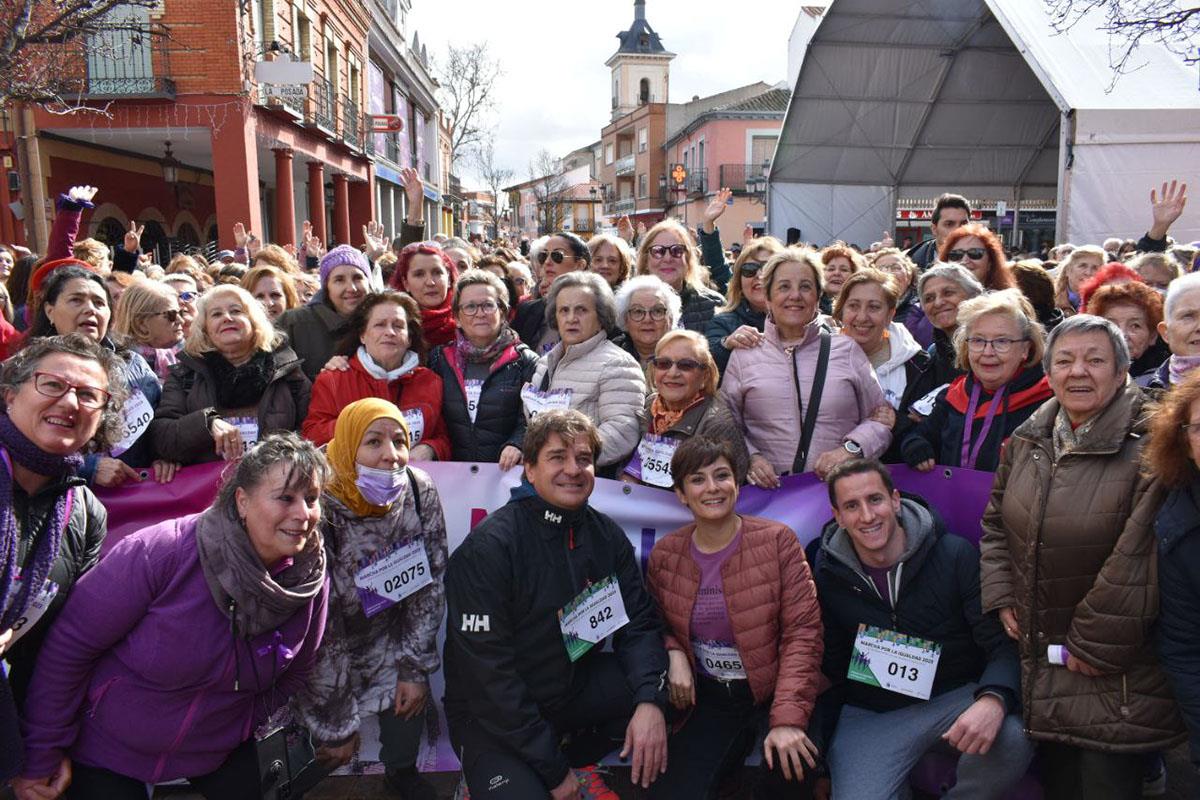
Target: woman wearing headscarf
[[385, 536], [176, 647]]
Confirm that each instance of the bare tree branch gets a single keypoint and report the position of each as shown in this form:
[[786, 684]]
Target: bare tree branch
[[468, 79], [550, 190], [494, 178]]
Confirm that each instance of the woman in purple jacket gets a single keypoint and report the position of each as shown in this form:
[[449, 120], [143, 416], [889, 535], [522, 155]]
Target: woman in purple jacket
[[183, 640]]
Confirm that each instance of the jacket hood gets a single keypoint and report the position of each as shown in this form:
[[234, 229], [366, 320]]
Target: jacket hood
[[1122, 418], [1179, 516], [904, 347], [922, 528], [811, 331]]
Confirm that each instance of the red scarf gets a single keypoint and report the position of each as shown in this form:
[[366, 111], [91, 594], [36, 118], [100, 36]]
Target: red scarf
[[437, 324], [958, 397]]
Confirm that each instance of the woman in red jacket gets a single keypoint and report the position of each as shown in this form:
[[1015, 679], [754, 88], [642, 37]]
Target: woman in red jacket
[[743, 634], [383, 351]]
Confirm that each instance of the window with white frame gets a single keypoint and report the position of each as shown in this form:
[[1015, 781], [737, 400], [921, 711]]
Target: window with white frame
[[609, 153], [643, 139]]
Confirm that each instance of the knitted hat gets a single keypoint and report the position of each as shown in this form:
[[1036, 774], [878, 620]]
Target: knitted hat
[[343, 255]]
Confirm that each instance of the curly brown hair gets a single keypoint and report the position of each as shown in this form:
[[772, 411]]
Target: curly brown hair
[[1135, 293], [1165, 456]]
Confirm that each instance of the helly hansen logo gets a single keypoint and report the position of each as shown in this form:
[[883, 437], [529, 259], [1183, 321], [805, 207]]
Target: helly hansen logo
[[552, 517], [476, 623]]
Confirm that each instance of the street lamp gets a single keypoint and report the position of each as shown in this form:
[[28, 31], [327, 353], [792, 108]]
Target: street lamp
[[170, 167]]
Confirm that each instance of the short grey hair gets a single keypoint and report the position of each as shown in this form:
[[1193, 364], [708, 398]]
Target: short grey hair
[[1088, 323], [1178, 288], [606, 305], [19, 368], [305, 464], [481, 277], [665, 294], [955, 273]]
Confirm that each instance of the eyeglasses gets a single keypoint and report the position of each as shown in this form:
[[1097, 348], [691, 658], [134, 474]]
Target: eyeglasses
[[557, 256], [637, 313], [973, 253], [977, 344], [48, 384], [683, 364], [462, 265], [750, 268], [188, 297], [1191, 428], [486, 307], [171, 314], [659, 251]]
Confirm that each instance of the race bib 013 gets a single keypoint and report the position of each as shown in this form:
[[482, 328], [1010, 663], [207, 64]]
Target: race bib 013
[[39, 603], [248, 428], [894, 661], [595, 613]]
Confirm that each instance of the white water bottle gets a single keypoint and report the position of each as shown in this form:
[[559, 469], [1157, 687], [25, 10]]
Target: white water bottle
[[1057, 654]]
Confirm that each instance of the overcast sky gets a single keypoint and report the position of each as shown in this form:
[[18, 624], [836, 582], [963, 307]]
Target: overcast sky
[[554, 91]]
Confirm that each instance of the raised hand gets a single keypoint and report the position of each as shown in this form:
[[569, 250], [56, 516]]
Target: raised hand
[[375, 239], [887, 240], [414, 189], [625, 228], [239, 234], [747, 235], [1167, 209], [82, 194], [716, 208], [133, 237]]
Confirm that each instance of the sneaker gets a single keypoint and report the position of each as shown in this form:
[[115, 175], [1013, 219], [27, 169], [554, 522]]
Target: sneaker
[[592, 785], [408, 784], [1154, 778]]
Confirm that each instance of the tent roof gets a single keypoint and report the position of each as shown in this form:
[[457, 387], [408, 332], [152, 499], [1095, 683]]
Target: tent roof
[[963, 93]]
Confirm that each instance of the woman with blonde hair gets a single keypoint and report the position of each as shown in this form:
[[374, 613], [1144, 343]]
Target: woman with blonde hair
[[611, 258], [148, 319], [1073, 272], [669, 252], [236, 380], [740, 321], [273, 255], [273, 287]]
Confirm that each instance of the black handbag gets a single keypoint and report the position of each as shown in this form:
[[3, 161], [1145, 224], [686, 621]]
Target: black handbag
[[287, 763]]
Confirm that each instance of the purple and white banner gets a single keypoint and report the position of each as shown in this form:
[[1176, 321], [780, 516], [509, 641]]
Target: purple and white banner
[[469, 492]]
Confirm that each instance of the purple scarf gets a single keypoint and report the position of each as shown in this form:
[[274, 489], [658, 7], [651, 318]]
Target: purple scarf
[[45, 543], [467, 353]]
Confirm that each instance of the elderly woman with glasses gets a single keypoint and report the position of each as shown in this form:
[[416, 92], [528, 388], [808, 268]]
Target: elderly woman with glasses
[[482, 373], [561, 253], [1067, 561], [740, 321], [941, 288], [60, 395], [236, 381], [981, 251], [149, 320], [1000, 344], [427, 273], [684, 404], [668, 252], [646, 309], [587, 372]]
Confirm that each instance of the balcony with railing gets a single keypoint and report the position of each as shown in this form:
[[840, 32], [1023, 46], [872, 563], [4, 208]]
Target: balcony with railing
[[320, 104], [129, 60], [625, 165], [622, 205], [351, 123], [743, 178], [697, 182]]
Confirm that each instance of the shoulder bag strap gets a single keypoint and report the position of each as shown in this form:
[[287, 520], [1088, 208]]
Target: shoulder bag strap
[[416, 493], [814, 400]]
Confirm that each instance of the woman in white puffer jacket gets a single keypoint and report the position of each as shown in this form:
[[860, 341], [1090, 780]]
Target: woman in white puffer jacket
[[587, 372]]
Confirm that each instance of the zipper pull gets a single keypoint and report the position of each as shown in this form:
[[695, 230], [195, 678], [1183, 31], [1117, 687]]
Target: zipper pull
[[571, 538]]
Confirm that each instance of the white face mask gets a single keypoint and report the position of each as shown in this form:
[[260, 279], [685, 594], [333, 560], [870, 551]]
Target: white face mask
[[381, 487]]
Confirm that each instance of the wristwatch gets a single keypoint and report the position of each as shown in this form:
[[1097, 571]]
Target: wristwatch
[[853, 448]]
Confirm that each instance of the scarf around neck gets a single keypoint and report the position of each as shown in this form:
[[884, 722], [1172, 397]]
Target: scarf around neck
[[437, 324], [46, 544], [467, 353], [664, 419], [373, 369], [242, 386], [1179, 366], [262, 600]]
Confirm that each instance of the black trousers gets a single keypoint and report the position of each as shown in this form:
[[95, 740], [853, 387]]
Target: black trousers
[[592, 720], [1076, 773], [236, 779], [724, 726]]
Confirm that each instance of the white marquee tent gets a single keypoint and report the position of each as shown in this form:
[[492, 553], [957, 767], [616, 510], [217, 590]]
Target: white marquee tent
[[897, 98]]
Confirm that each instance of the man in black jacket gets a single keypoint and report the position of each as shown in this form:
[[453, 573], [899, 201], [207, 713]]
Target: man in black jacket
[[915, 665], [532, 595], [949, 212]]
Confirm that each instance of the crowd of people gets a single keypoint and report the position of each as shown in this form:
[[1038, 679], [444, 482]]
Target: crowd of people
[[314, 588]]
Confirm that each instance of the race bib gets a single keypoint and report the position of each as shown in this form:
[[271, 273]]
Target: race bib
[[415, 419], [592, 616], [248, 428], [39, 602], [651, 462], [135, 419], [924, 406], [894, 661], [537, 401], [720, 660], [391, 575], [473, 389]]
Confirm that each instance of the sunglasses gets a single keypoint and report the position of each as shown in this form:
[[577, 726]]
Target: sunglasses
[[557, 256], [171, 314], [973, 253], [188, 297], [659, 251], [683, 364], [751, 268]]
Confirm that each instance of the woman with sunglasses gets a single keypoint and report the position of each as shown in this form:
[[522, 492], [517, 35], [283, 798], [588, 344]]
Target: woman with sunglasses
[[75, 300], [59, 394], [149, 320], [981, 251], [646, 309], [999, 343], [482, 373], [426, 273], [561, 253], [741, 320], [668, 252], [684, 404], [187, 290]]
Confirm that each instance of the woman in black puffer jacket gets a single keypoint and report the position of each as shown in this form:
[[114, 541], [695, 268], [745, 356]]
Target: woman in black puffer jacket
[[482, 373]]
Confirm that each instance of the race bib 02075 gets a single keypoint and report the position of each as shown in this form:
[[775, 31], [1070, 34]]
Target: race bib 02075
[[894, 661], [392, 575], [594, 614]]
